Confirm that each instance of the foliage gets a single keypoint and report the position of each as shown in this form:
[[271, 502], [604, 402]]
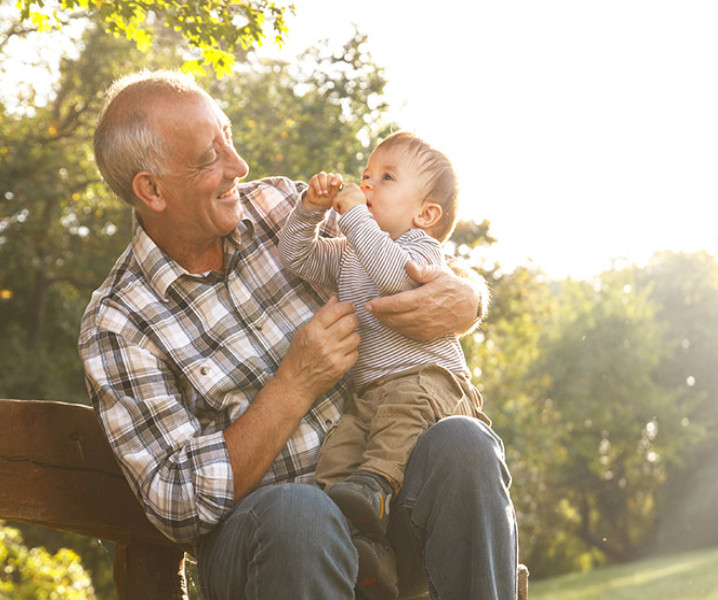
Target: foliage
[[32, 573], [216, 28], [615, 431], [575, 376], [58, 226], [507, 350], [684, 287], [323, 112]]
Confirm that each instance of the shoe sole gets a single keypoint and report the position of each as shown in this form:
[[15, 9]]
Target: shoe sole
[[369, 581]]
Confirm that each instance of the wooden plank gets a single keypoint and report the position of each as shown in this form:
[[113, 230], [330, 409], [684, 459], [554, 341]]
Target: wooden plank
[[57, 470], [523, 582]]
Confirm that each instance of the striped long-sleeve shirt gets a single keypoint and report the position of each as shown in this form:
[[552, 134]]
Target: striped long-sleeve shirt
[[172, 358], [362, 265]]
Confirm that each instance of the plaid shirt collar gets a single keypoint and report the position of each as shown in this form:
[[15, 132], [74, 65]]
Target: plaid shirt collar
[[160, 269]]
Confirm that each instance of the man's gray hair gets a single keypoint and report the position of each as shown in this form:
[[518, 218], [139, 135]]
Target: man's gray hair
[[125, 142]]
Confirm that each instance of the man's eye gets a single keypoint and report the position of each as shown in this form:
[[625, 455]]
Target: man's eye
[[210, 158]]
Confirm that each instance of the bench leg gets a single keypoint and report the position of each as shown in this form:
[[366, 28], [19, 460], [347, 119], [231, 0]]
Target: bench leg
[[523, 582], [146, 572]]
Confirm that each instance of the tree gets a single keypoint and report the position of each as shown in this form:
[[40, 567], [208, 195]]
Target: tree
[[59, 226], [615, 430], [502, 355], [215, 28], [31, 573], [684, 287], [506, 349], [595, 394], [322, 112]]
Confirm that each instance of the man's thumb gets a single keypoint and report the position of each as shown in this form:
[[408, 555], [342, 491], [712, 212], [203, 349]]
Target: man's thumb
[[422, 273]]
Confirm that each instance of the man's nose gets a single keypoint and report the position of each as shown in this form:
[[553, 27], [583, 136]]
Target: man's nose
[[235, 166]]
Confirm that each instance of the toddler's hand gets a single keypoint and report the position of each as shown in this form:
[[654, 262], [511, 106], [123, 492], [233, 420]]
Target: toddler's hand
[[349, 197], [322, 189]]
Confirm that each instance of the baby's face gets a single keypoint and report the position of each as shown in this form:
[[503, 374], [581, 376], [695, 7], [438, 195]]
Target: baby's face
[[393, 187]]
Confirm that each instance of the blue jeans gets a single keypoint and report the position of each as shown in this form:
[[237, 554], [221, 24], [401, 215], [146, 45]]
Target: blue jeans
[[452, 526]]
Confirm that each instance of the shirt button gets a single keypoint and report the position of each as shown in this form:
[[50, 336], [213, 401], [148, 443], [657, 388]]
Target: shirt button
[[204, 370]]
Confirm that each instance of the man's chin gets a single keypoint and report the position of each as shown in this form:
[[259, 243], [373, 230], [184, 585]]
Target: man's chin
[[231, 218]]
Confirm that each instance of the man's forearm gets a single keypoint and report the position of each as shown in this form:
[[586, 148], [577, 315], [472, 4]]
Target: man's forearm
[[321, 353], [258, 436]]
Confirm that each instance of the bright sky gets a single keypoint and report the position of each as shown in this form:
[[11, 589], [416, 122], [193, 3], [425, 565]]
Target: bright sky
[[584, 131]]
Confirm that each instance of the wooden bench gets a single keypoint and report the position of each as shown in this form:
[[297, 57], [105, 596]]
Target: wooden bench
[[57, 470]]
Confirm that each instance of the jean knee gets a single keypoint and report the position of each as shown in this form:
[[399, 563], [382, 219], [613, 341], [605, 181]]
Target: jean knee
[[290, 534], [303, 512], [465, 445]]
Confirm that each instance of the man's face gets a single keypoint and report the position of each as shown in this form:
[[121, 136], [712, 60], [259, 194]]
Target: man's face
[[200, 185]]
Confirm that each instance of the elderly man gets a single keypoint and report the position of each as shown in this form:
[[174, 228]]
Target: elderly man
[[216, 374]]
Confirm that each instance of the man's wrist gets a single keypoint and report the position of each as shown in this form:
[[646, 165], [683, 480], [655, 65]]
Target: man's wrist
[[482, 305]]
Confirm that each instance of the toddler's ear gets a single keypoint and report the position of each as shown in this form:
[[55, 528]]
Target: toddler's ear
[[428, 216]]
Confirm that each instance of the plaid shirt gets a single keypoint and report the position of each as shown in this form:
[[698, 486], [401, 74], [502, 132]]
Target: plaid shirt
[[172, 358]]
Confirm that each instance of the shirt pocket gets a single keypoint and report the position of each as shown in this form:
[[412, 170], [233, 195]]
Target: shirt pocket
[[225, 388]]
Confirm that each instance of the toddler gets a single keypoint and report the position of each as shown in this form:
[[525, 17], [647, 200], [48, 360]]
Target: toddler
[[403, 209]]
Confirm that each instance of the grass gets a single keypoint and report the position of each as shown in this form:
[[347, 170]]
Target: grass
[[689, 576]]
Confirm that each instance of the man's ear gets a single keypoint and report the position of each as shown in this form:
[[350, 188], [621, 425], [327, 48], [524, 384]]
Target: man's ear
[[428, 216], [145, 188]]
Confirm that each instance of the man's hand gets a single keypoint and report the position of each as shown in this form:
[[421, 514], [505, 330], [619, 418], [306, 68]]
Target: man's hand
[[446, 303], [322, 351], [323, 188], [348, 198]]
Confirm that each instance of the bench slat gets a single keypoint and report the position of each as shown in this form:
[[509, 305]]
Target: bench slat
[[57, 470]]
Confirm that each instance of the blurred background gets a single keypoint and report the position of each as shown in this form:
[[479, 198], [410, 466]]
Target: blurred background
[[585, 137]]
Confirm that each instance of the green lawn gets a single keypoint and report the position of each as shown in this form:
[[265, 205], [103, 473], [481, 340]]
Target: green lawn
[[687, 576]]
